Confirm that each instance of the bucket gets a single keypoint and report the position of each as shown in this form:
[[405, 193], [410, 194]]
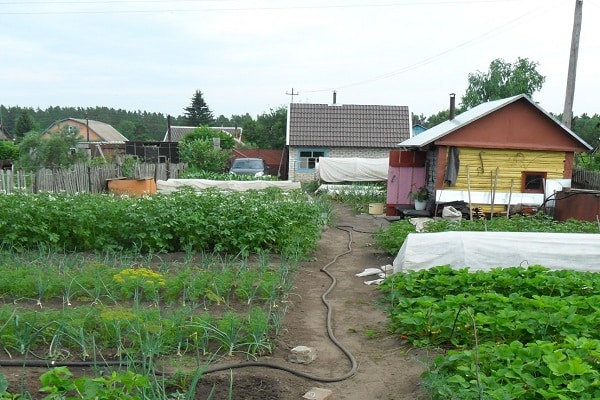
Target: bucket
[[375, 208]]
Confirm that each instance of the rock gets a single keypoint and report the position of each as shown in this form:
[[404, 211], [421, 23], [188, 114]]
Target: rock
[[318, 394], [302, 355]]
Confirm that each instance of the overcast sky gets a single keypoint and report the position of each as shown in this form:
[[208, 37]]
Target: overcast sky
[[246, 56]]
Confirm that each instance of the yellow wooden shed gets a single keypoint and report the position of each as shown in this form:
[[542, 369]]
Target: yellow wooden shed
[[502, 153]]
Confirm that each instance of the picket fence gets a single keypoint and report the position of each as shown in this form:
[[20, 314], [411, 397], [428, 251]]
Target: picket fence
[[585, 179], [80, 178], [93, 179]]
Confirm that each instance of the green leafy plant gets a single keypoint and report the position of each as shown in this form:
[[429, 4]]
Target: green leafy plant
[[266, 220], [537, 370], [420, 194], [513, 332], [60, 384]]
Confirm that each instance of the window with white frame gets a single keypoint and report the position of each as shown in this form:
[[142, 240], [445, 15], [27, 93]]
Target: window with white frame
[[308, 158]]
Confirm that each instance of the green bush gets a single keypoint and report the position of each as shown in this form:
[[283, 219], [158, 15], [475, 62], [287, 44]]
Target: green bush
[[8, 150]]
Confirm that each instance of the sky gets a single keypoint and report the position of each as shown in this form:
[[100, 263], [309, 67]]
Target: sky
[[250, 56]]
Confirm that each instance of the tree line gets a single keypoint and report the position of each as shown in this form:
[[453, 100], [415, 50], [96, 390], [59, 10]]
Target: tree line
[[268, 130], [265, 131]]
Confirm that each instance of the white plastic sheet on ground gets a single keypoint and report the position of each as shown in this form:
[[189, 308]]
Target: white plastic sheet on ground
[[172, 185], [353, 169], [486, 250]]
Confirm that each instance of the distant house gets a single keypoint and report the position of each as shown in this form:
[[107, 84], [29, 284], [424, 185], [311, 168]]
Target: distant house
[[418, 128], [101, 138], [341, 131], [503, 152], [178, 132], [4, 135]]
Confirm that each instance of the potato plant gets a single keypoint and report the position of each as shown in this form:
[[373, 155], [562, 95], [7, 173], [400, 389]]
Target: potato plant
[[235, 223]]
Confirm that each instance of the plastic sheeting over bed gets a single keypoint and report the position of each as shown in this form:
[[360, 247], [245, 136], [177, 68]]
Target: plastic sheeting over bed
[[172, 185], [353, 169], [486, 250]]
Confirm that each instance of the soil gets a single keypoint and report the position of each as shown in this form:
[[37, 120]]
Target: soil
[[387, 368]]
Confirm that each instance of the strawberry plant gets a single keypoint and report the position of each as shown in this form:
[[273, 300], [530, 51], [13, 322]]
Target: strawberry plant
[[538, 370], [527, 333]]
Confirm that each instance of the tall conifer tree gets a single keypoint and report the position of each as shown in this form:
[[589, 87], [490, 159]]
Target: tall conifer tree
[[198, 113]]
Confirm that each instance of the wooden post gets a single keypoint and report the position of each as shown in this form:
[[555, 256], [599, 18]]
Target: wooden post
[[469, 193], [572, 72], [512, 181], [494, 194]]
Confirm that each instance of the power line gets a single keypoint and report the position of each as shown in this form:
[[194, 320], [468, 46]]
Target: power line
[[430, 59], [171, 10]]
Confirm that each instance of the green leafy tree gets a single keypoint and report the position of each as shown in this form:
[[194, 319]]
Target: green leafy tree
[[198, 113], [127, 128], [419, 119], [207, 133], [239, 120], [438, 118], [24, 124], [222, 121], [58, 149], [587, 128], [203, 155], [268, 132], [503, 80], [140, 133], [8, 151]]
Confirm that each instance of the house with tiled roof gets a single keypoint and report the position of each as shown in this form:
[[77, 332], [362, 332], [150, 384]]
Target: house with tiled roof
[[341, 131], [101, 138]]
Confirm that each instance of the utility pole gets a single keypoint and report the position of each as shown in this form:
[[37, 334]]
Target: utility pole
[[292, 94], [568, 110]]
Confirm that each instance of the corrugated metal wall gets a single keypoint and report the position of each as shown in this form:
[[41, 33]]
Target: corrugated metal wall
[[482, 164]]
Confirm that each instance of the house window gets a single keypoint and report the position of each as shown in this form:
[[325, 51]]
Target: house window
[[533, 182], [307, 159]]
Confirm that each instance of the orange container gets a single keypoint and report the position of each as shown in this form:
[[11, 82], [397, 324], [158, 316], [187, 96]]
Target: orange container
[[132, 187]]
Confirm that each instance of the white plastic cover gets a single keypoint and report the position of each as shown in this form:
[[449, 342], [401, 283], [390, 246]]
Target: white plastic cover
[[352, 169], [486, 250], [172, 185]]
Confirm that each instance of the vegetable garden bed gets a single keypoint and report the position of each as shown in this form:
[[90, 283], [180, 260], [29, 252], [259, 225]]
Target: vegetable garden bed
[[91, 278]]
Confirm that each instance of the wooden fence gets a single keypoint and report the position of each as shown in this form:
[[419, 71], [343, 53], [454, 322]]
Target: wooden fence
[[585, 179], [80, 178]]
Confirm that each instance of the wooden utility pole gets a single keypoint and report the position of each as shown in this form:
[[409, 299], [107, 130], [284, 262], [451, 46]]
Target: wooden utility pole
[[568, 110]]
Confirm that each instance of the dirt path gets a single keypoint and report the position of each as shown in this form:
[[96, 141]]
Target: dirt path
[[386, 369]]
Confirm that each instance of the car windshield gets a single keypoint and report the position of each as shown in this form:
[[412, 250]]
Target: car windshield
[[248, 164]]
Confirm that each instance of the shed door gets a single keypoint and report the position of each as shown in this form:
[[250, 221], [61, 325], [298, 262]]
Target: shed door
[[403, 180]]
